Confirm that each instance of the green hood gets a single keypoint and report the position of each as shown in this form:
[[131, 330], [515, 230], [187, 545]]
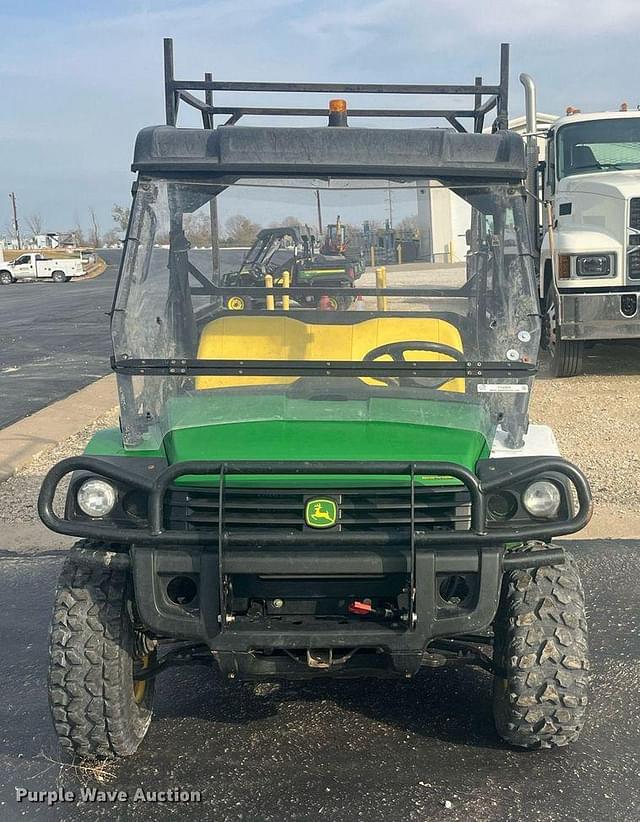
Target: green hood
[[274, 427], [270, 427]]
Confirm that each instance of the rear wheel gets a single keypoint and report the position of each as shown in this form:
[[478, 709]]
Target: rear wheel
[[540, 696], [566, 355], [98, 708], [59, 277], [5, 278]]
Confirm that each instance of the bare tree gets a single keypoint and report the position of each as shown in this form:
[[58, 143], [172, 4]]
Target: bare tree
[[111, 237], [241, 230], [409, 224], [77, 231], [94, 234], [197, 228], [35, 223], [120, 216]]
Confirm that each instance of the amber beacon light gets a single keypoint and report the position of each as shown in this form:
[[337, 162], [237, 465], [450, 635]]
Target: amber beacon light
[[338, 112]]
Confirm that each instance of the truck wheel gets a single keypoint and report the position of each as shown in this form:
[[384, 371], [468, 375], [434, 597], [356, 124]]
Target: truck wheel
[[5, 278], [540, 696], [98, 709], [566, 355], [59, 277]]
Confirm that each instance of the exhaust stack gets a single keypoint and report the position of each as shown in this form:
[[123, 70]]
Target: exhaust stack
[[532, 157]]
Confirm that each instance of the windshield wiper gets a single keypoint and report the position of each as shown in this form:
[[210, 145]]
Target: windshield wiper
[[598, 167]]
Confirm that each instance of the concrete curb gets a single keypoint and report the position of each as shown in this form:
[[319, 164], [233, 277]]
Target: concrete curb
[[50, 426], [610, 523], [95, 270]]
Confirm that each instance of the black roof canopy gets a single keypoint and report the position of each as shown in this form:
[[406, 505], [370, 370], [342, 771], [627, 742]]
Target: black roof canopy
[[338, 152], [229, 151]]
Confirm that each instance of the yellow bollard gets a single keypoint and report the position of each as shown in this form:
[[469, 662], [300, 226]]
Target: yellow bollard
[[373, 256], [399, 251], [268, 282], [286, 283], [449, 252], [381, 282]]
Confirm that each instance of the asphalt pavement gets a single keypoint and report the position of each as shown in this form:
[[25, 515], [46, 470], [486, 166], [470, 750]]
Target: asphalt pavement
[[373, 750], [54, 337]]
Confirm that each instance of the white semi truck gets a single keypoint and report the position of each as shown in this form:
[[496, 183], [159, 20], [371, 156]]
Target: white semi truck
[[33, 266], [588, 229]]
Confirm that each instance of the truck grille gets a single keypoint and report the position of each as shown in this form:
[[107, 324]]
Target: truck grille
[[633, 260], [440, 508]]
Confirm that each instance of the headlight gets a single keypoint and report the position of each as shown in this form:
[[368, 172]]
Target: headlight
[[542, 499], [96, 497], [593, 265]]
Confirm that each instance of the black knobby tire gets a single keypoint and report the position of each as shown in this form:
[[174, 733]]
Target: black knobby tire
[[97, 709], [566, 355], [59, 277], [5, 278], [541, 647]]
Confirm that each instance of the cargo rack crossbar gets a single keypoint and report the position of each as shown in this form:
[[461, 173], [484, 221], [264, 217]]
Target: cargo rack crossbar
[[485, 97]]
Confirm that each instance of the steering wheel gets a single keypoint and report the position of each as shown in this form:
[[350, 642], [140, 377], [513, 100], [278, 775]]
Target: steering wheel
[[397, 350]]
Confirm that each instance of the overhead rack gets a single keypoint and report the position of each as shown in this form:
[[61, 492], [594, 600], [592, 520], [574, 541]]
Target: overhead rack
[[484, 98]]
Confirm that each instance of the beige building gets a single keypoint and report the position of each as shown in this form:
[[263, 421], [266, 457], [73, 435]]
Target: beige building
[[443, 217]]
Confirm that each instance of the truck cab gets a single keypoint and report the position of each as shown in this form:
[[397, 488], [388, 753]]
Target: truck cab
[[590, 252]]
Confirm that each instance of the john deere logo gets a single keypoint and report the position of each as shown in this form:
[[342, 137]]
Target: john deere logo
[[321, 513]]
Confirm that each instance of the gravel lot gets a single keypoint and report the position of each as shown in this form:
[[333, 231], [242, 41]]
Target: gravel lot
[[595, 418], [23, 533]]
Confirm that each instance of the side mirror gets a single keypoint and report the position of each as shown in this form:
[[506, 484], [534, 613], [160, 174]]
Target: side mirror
[[468, 236], [542, 166]]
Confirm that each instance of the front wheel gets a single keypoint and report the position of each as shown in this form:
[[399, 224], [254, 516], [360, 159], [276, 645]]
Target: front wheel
[[238, 303], [98, 708], [540, 691], [5, 278], [566, 355], [59, 277]]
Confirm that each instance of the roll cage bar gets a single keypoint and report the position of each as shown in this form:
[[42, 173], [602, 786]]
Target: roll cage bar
[[486, 97]]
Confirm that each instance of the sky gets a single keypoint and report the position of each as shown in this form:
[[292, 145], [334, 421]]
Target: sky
[[80, 79]]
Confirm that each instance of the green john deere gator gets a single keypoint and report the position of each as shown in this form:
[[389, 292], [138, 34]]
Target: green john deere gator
[[296, 493], [278, 252]]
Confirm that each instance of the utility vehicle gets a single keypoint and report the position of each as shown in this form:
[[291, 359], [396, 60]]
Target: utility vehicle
[[279, 250], [300, 493], [34, 266], [590, 231]]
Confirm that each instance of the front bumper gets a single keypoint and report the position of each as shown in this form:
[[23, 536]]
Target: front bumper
[[213, 562], [157, 488], [600, 316]]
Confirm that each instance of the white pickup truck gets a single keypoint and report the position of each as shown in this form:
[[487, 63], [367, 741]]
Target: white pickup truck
[[38, 267]]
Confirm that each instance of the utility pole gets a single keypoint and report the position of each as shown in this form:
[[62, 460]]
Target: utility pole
[[16, 227], [390, 205], [319, 212]]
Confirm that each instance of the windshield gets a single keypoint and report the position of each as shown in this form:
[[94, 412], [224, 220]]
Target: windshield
[[236, 303], [599, 145]]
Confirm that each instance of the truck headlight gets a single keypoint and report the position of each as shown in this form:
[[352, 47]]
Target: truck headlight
[[593, 265], [542, 499], [96, 497]]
